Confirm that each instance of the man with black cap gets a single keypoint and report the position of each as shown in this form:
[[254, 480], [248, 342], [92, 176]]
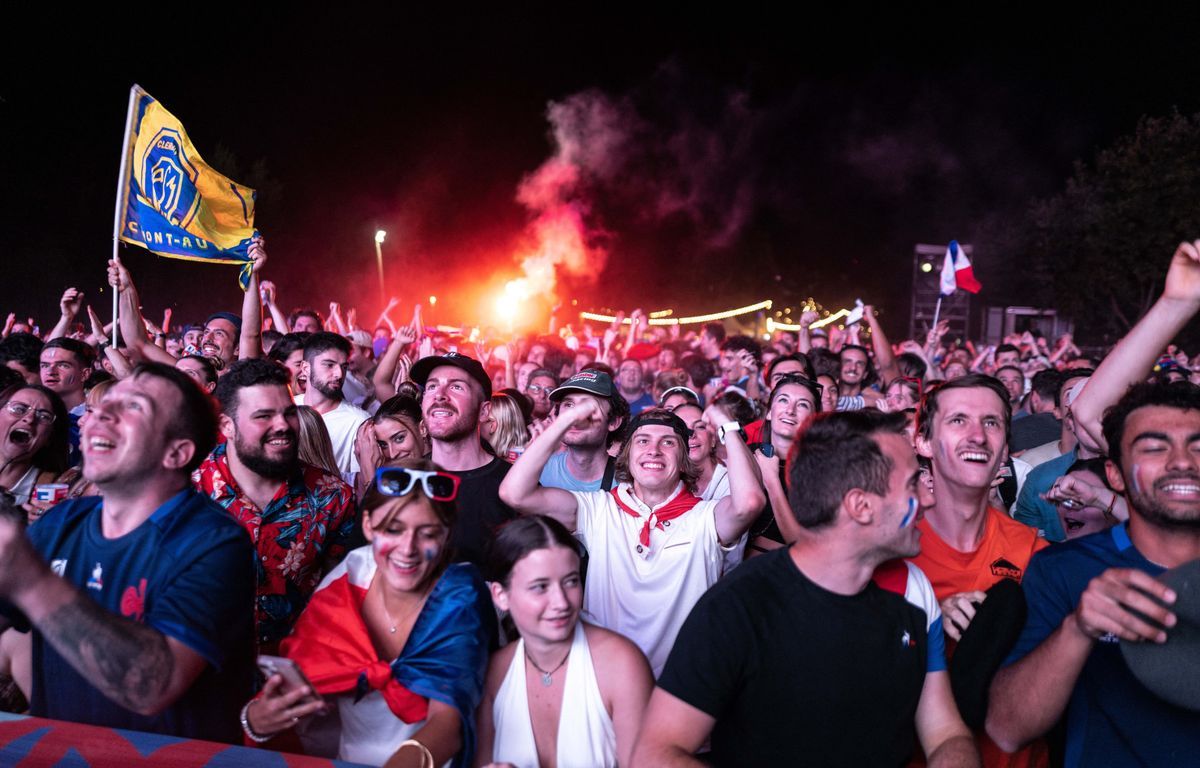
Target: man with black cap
[[456, 400], [585, 464], [1096, 599], [654, 546]]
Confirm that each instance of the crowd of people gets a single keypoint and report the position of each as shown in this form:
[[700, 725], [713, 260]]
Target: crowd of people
[[624, 545]]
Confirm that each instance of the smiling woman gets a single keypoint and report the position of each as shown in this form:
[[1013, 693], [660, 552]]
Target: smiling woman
[[566, 688], [394, 635]]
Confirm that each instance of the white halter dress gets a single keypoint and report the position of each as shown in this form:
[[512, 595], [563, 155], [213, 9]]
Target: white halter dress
[[586, 738]]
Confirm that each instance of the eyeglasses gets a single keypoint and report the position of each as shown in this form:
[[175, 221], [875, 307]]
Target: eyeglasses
[[399, 481], [536, 389], [19, 410]]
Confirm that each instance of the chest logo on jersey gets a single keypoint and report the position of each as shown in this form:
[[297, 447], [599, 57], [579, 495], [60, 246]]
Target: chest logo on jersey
[[906, 641], [97, 580], [59, 566], [1006, 570], [133, 602]]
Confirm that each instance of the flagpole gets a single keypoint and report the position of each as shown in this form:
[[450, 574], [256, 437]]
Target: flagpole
[[122, 196], [937, 310]]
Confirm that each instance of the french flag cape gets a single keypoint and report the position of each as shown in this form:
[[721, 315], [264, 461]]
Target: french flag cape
[[957, 272], [445, 657]]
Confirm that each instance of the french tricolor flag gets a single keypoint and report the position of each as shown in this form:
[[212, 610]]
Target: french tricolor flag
[[957, 272]]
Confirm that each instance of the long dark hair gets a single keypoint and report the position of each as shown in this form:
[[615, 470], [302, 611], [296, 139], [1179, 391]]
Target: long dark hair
[[53, 456], [522, 536]]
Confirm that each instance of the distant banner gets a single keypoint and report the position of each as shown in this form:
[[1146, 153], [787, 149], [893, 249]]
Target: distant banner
[[175, 204]]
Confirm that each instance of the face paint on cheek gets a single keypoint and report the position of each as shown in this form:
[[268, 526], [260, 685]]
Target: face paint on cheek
[[943, 452], [1137, 480], [911, 514], [431, 554]]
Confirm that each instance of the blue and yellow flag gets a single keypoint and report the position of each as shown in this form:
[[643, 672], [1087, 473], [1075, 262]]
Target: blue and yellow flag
[[174, 203]]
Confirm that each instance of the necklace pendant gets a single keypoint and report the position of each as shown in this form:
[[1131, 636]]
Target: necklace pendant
[[547, 681]]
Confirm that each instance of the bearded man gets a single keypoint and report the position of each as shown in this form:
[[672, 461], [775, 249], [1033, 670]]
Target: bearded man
[[299, 517]]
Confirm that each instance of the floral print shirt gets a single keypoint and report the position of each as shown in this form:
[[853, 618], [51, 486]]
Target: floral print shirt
[[301, 535]]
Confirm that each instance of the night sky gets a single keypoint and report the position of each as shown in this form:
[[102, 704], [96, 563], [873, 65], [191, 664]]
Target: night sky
[[740, 158]]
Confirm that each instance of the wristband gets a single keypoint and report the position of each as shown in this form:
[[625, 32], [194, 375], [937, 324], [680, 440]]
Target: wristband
[[727, 428], [1108, 512], [256, 738]]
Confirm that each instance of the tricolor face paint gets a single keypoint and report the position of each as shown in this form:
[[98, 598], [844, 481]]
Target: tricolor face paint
[[407, 549]]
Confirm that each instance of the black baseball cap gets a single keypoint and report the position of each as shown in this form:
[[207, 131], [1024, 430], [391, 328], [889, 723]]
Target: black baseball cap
[[420, 372], [1171, 670], [662, 418], [590, 381]]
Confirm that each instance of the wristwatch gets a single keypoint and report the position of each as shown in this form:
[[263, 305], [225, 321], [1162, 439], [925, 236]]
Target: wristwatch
[[727, 428]]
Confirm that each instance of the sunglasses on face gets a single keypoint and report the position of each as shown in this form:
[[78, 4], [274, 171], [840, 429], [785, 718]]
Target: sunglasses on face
[[399, 481]]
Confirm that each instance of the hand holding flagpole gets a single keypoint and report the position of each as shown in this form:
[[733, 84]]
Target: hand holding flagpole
[[122, 197]]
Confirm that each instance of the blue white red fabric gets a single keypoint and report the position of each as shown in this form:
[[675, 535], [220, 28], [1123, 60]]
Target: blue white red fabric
[[904, 578], [444, 658], [957, 271]]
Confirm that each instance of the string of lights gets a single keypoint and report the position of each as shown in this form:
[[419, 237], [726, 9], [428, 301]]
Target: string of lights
[[663, 316]]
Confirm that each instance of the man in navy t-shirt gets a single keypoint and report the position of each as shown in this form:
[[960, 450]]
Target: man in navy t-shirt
[[141, 600], [1084, 596]]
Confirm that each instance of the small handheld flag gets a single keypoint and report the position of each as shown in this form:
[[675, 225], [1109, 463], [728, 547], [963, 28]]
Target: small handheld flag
[[174, 204], [957, 272]]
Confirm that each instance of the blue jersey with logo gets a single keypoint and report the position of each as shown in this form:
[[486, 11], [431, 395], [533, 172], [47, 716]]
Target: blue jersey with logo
[[188, 572], [1112, 719]]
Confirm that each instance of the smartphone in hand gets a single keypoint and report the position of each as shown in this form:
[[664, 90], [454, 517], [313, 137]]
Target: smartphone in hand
[[293, 676]]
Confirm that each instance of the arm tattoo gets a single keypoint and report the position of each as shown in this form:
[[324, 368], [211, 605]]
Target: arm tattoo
[[129, 663]]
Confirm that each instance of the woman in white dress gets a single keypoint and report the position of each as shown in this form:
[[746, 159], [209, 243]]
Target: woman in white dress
[[567, 693]]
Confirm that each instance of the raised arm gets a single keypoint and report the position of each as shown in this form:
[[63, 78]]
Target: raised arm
[[385, 318], [520, 489], [132, 324], [885, 360], [1133, 357], [336, 323], [385, 371], [278, 319], [250, 340], [746, 498], [69, 304], [804, 337]]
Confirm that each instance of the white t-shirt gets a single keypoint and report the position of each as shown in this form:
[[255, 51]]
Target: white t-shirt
[[718, 485], [645, 593], [342, 423]]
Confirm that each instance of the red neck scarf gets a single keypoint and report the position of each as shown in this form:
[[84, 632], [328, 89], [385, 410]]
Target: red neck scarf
[[681, 503]]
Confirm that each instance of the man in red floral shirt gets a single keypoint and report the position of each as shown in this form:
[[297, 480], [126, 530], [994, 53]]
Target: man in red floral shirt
[[299, 517]]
